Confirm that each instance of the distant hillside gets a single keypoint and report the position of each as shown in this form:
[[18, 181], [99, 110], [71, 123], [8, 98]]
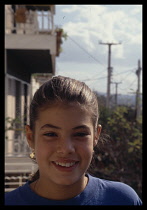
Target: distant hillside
[[129, 100]]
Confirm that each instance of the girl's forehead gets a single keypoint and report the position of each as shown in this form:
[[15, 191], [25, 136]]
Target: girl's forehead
[[62, 106], [68, 110], [64, 114]]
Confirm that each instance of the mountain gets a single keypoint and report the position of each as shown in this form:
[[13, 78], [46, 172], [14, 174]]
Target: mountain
[[122, 99]]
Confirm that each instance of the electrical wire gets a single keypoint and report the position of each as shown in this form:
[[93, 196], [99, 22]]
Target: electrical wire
[[103, 77], [85, 50]]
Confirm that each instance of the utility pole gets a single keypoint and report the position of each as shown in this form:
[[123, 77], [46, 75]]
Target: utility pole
[[116, 86], [109, 71], [138, 108]]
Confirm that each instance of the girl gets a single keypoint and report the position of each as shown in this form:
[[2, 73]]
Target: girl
[[63, 133]]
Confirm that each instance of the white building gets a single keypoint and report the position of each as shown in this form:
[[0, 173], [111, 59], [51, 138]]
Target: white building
[[31, 47]]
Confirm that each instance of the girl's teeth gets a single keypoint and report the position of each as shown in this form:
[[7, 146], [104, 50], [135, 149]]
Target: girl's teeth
[[65, 164]]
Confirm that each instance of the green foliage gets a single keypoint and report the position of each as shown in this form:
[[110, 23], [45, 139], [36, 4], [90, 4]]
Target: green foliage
[[62, 36], [120, 158], [13, 124], [63, 33]]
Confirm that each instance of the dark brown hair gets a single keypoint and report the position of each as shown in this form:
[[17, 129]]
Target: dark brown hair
[[60, 89]]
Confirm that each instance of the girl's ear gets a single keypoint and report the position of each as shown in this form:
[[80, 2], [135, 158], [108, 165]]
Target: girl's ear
[[99, 128], [29, 136]]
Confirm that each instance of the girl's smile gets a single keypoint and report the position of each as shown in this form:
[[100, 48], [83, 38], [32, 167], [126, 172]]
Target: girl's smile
[[65, 166]]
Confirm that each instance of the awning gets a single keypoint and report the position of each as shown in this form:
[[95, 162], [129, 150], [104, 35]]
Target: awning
[[38, 7], [23, 63]]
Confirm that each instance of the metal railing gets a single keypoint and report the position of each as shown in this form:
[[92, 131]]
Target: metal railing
[[17, 147], [13, 182], [36, 22]]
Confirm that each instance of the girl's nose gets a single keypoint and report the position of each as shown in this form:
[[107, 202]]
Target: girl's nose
[[65, 146]]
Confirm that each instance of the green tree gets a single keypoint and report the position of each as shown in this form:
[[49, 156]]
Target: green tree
[[120, 158]]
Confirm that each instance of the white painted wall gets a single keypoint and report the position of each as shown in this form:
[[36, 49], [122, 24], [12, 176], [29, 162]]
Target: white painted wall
[[31, 41]]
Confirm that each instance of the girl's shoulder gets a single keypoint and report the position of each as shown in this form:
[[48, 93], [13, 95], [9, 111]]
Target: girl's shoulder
[[114, 192], [15, 197]]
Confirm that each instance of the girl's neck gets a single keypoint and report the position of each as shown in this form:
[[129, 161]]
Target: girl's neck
[[54, 191]]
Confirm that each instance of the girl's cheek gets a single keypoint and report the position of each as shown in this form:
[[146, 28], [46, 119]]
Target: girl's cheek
[[45, 147]]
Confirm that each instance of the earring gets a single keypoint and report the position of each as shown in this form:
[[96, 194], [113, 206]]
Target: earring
[[32, 155]]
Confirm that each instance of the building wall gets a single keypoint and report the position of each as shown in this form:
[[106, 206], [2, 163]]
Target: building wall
[[17, 103], [19, 89], [25, 36]]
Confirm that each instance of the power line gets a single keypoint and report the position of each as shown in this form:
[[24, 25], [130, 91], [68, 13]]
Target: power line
[[91, 79], [125, 76], [94, 79], [131, 70], [129, 85], [85, 50]]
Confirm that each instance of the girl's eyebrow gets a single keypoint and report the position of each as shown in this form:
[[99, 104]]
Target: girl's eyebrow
[[49, 126], [80, 127], [56, 127]]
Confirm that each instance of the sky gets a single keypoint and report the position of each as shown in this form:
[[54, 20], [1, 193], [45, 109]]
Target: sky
[[85, 59]]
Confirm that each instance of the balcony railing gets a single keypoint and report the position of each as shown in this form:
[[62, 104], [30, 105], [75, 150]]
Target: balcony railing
[[31, 22], [18, 165], [17, 147], [12, 182]]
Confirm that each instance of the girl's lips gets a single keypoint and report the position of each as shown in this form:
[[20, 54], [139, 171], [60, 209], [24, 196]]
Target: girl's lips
[[66, 166]]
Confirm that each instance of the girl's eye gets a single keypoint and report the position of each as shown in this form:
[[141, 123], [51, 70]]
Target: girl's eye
[[51, 134], [81, 134]]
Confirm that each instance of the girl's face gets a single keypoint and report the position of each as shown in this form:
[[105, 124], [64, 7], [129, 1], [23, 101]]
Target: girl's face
[[64, 139]]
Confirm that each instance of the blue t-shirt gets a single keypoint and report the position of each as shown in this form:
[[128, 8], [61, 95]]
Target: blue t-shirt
[[97, 192]]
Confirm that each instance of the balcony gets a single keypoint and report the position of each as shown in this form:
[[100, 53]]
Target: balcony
[[27, 21], [28, 29]]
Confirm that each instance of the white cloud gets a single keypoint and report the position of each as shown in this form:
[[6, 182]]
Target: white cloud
[[91, 22], [137, 10], [85, 10]]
